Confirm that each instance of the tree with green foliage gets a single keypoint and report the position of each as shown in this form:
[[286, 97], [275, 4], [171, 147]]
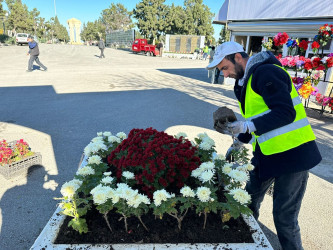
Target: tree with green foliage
[[175, 20], [90, 31], [116, 17], [198, 19], [33, 18], [224, 35], [18, 18], [151, 16], [60, 30]]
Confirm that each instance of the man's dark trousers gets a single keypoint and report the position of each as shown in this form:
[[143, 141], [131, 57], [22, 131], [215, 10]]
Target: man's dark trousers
[[102, 53], [288, 193], [31, 62]]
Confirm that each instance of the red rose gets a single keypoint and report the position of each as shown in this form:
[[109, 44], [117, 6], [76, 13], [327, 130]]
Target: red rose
[[316, 62], [315, 45], [308, 66], [329, 62], [303, 45]]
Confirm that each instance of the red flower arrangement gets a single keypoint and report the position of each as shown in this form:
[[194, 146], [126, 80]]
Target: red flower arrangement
[[329, 62], [280, 39], [315, 46], [157, 159], [303, 45], [317, 63]]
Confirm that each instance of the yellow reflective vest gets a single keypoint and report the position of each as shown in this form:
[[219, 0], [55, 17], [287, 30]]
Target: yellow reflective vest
[[284, 138]]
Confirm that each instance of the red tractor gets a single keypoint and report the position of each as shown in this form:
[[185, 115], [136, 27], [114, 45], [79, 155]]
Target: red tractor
[[141, 45]]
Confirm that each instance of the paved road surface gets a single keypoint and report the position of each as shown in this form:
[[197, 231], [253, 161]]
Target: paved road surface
[[60, 110]]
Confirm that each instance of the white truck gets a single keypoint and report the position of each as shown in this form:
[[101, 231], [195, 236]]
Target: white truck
[[21, 38]]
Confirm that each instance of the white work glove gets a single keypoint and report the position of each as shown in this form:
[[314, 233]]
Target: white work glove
[[241, 127]]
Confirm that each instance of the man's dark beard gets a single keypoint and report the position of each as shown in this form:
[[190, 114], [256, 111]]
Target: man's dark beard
[[239, 71]]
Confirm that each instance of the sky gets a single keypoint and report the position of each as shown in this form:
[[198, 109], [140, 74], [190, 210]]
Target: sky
[[90, 10]]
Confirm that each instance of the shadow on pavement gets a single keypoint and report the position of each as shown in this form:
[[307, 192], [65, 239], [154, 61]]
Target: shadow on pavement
[[21, 207]]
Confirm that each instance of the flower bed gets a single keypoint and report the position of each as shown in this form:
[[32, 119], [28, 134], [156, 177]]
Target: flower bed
[[16, 157], [150, 186]]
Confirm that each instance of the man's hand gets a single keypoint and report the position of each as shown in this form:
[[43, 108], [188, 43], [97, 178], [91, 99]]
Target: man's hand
[[237, 127], [27, 54], [241, 127]]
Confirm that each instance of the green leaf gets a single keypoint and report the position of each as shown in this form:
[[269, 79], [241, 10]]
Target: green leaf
[[79, 225]]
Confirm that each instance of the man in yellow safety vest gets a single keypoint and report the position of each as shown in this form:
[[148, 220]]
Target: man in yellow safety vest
[[284, 147]]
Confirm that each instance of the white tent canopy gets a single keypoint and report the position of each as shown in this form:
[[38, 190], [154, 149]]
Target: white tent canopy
[[256, 10]]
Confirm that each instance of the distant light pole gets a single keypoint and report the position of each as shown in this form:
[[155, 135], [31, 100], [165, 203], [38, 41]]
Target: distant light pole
[[55, 8]]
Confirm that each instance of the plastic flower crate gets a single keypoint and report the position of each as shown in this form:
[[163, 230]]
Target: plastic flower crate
[[20, 167]]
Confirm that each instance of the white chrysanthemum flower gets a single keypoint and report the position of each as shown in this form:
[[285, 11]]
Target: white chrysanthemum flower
[[97, 139], [205, 145], [125, 192], [122, 135], [180, 134], [113, 139], [187, 192], [101, 195], [137, 200], [227, 187], [107, 180], [196, 172], [122, 186], [107, 173], [221, 157], [128, 175], [203, 193], [161, 195], [226, 169], [239, 176], [68, 189], [86, 170], [249, 166], [202, 135], [207, 166], [94, 159], [144, 199], [99, 133], [209, 140], [206, 176], [112, 193], [95, 189], [107, 134], [94, 147], [240, 195]]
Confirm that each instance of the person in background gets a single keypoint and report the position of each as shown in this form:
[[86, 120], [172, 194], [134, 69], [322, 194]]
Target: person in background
[[160, 48], [34, 53], [101, 46], [205, 52], [211, 56], [284, 146]]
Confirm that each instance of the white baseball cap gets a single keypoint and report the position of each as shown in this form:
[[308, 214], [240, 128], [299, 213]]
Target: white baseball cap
[[223, 50]]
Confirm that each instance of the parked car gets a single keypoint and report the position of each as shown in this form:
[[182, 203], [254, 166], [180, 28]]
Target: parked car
[[21, 38]]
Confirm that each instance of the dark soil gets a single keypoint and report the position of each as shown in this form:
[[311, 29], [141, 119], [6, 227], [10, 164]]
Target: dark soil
[[160, 231]]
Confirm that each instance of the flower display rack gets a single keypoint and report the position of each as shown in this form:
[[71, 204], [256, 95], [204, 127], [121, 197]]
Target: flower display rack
[[20, 167]]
